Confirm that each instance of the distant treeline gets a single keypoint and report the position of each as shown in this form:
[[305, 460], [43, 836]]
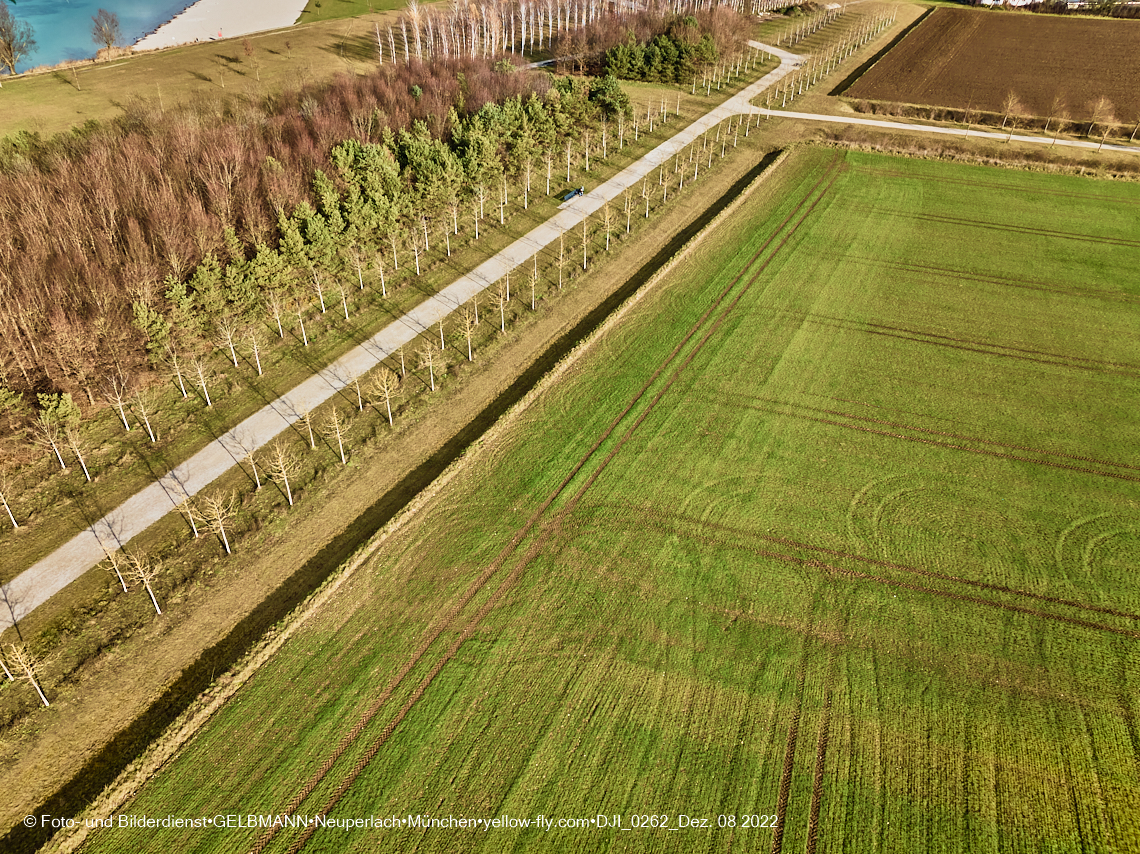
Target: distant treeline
[[654, 47]]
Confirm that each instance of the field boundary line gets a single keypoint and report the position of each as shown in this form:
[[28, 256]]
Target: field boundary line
[[507, 420]]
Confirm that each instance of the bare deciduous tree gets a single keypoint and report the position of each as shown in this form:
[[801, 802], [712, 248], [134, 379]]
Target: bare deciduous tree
[[202, 372], [26, 664], [75, 442], [105, 29], [253, 338], [334, 428], [502, 297], [275, 307], [175, 361], [217, 510], [467, 324], [115, 564], [146, 569], [116, 392], [607, 222], [46, 433], [429, 358], [282, 462], [142, 404], [384, 386], [228, 331], [7, 491], [305, 416]]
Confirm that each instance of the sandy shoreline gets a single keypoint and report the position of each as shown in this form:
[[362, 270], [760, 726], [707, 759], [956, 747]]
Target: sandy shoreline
[[210, 20]]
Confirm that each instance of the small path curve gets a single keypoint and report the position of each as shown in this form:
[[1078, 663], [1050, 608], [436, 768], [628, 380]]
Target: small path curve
[[84, 551]]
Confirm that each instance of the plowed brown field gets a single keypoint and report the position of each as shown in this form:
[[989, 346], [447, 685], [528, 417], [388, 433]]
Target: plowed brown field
[[962, 58]]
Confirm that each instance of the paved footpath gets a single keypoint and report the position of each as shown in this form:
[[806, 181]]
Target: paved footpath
[[34, 586]]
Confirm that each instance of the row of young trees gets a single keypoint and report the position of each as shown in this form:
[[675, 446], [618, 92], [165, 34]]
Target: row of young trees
[[114, 238], [829, 57], [455, 339]]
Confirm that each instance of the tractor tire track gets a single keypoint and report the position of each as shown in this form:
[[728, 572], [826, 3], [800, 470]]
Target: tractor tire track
[[949, 445], [520, 535], [945, 219], [963, 437], [820, 758], [927, 338], [1002, 281], [785, 790], [674, 523]]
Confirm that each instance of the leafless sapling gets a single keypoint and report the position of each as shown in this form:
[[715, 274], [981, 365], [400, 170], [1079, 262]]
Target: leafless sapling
[[430, 358], [115, 562], [142, 404], [7, 493], [217, 510], [75, 441], [175, 361], [117, 393], [47, 433], [275, 307], [26, 665], [253, 338], [334, 427], [502, 297], [146, 569], [467, 324], [533, 282], [280, 463], [305, 416], [202, 372], [228, 333], [384, 385], [319, 288], [607, 222]]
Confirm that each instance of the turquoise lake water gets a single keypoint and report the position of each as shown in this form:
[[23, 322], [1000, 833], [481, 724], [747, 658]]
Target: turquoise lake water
[[63, 27]]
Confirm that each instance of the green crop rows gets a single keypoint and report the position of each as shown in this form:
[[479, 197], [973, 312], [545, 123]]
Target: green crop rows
[[839, 525]]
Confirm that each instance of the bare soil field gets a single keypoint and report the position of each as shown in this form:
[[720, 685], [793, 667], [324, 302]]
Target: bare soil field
[[973, 59]]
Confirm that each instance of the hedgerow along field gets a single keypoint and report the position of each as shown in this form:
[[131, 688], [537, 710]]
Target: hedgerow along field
[[837, 525], [968, 59]]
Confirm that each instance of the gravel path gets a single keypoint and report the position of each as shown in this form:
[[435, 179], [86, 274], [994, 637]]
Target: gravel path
[[84, 551]]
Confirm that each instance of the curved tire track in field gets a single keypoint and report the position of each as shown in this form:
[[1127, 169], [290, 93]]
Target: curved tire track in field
[[963, 437], [918, 588], [675, 523], [512, 546]]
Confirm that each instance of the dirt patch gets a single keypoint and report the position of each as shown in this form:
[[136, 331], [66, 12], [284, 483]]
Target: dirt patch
[[974, 59]]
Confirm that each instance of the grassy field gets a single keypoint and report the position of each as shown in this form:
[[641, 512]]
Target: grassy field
[[837, 526], [316, 49]]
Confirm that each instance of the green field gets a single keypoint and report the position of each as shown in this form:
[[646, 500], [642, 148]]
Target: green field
[[839, 524]]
